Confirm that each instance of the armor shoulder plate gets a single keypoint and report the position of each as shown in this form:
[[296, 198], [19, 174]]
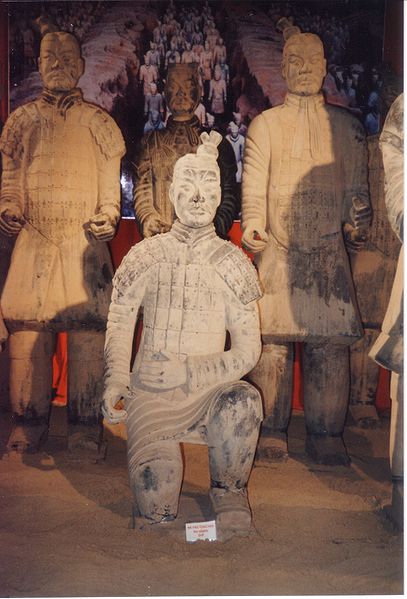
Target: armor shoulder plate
[[237, 271], [105, 132], [16, 127], [137, 261]]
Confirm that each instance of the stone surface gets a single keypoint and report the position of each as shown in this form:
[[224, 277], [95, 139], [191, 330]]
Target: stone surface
[[60, 196], [193, 288], [304, 190]]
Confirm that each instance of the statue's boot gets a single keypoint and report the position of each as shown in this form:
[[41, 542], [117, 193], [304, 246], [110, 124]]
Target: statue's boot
[[364, 373], [273, 376], [326, 395], [232, 433], [85, 389], [30, 389]]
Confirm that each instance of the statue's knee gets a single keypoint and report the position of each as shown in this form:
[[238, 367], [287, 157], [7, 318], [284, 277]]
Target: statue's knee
[[239, 399]]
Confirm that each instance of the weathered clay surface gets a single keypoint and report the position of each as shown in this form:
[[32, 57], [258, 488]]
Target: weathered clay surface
[[305, 162], [160, 149], [184, 386], [60, 196], [388, 349], [376, 262]]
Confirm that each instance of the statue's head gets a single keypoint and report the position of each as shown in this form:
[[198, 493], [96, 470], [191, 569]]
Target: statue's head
[[195, 189], [182, 90], [304, 64], [60, 63]]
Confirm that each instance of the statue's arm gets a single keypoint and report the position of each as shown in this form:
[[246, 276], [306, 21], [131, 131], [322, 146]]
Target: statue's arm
[[146, 214], [12, 180], [391, 145], [110, 148], [355, 177], [255, 177], [127, 297], [229, 206], [242, 322]]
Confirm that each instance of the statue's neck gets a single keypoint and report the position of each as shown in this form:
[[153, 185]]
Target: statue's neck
[[62, 100], [192, 235]]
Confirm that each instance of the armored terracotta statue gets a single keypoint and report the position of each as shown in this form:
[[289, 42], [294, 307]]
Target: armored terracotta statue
[[193, 287], [304, 183], [161, 149], [377, 261], [60, 195], [388, 349]]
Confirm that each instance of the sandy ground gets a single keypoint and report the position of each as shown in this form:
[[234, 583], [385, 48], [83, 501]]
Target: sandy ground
[[65, 526]]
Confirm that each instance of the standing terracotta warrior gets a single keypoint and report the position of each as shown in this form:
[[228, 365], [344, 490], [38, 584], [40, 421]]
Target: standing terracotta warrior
[[304, 182], [376, 262], [184, 386], [60, 194], [388, 350], [161, 149]]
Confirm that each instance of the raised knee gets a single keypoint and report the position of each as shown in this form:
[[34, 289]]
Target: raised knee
[[240, 399]]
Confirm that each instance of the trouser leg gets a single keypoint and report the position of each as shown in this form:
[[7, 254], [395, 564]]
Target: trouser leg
[[85, 388], [232, 433], [30, 387], [326, 396], [155, 478], [273, 376], [364, 376]]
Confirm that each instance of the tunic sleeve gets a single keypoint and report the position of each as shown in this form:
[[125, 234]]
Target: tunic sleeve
[[392, 147], [242, 322], [13, 146], [143, 181], [110, 149], [354, 165], [128, 291], [256, 164]]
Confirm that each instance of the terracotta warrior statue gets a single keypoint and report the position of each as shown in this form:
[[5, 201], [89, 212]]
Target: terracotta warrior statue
[[60, 194], [193, 287], [304, 188], [388, 350], [161, 149], [377, 261]]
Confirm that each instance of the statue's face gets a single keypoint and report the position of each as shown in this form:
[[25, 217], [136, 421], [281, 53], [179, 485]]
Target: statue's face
[[60, 63], [304, 66], [182, 93], [195, 193]]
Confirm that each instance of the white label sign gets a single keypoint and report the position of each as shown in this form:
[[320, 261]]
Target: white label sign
[[200, 531]]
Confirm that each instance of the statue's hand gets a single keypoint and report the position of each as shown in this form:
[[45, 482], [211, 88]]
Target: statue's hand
[[11, 221], [360, 213], [163, 374], [102, 227], [254, 238], [355, 238], [112, 395], [154, 225]]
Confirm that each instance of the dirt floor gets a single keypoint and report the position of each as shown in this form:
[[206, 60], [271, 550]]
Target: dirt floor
[[65, 526]]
